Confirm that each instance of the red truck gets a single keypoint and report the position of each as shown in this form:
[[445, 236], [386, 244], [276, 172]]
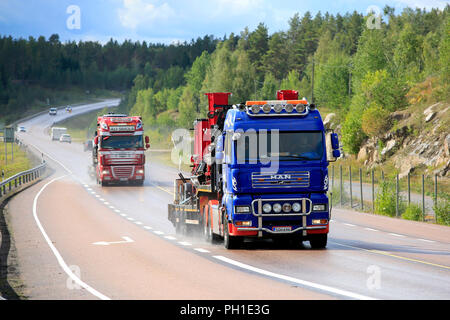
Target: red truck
[[119, 149]]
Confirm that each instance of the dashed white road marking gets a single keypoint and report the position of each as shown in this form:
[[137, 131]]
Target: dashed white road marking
[[170, 238], [117, 210], [158, 232], [201, 250], [370, 229], [295, 280], [138, 222], [148, 228], [184, 243], [425, 240], [349, 224], [123, 215], [131, 219], [111, 207], [397, 235]]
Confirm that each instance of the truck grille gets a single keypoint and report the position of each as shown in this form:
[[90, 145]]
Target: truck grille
[[122, 172], [292, 179]]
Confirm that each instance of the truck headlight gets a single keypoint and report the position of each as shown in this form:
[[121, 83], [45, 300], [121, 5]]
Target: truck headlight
[[287, 207], [242, 209], [296, 207], [140, 171], [277, 208], [105, 172], [267, 208], [319, 207]]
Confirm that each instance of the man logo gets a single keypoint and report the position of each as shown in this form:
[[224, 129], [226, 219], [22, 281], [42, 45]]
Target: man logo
[[280, 176]]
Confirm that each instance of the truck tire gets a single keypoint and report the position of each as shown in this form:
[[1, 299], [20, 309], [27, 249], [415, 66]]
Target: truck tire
[[230, 242], [318, 241]]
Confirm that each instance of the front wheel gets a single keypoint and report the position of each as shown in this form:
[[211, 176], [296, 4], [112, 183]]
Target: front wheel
[[318, 241], [230, 242]]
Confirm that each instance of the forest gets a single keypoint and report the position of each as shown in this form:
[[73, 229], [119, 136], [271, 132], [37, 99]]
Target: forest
[[32, 70], [343, 63]]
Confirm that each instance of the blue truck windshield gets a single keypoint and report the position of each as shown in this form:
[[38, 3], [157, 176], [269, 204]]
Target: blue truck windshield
[[281, 146], [122, 142]]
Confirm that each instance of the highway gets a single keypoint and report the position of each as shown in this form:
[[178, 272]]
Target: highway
[[77, 240]]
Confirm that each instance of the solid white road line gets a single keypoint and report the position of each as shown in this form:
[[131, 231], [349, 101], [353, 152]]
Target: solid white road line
[[58, 256], [294, 280]]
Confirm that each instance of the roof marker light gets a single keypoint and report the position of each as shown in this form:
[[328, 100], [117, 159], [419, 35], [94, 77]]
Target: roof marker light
[[255, 108], [300, 108], [267, 108], [278, 108], [289, 108]]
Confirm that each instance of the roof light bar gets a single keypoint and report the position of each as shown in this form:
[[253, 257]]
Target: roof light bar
[[278, 108]]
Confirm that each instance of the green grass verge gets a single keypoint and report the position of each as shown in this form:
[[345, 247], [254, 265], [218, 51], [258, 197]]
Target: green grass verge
[[20, 163]]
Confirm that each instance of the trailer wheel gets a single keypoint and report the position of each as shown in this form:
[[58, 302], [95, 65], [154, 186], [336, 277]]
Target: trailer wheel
[[318, 241], [230, 242]]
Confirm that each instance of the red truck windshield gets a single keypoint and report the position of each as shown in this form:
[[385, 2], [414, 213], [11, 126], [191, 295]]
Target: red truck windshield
[[121, 142]]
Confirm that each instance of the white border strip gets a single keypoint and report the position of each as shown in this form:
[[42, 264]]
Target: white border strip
[[58, 256], [295, 280]]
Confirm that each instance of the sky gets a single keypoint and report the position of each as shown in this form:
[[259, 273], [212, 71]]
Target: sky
[[169, 21]]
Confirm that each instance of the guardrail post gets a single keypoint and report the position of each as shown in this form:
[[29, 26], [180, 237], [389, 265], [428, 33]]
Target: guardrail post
[[409, 188], [435, 189], [351, 193], [397, 190], [423, 197], [15, 183], [361, 188], [9, 186]]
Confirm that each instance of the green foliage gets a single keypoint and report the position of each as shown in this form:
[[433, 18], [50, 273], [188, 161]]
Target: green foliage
[[413, 212], [352, 134], [442, 211], [385, 201], [375, 121]]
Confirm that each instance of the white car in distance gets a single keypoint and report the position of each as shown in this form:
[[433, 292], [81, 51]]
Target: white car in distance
[[65, 138]]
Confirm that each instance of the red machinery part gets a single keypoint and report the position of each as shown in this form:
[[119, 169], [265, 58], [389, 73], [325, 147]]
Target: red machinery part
[[287, 95]]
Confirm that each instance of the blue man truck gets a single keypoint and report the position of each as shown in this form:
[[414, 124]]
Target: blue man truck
[[259, 170]]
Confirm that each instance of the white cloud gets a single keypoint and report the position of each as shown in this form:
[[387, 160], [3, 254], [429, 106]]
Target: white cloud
[[137, 13]]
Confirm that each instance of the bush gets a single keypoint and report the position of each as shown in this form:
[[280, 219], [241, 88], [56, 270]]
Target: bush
[[352, 134], [413, 212], [385, 202], [442, 212], [375, 121]]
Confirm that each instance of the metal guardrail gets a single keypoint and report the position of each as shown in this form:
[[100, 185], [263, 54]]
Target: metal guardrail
[[22, 178]]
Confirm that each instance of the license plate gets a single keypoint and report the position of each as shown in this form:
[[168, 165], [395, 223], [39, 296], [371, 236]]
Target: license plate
[[123, 179], [281, 229]]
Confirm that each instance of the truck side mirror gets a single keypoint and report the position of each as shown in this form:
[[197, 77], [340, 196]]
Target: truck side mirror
[[96, 140], [147, 139], [332, 145]]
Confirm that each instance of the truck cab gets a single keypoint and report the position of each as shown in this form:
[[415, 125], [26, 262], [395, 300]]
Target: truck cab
[[119, 149], [275, 171], [260, 170]]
